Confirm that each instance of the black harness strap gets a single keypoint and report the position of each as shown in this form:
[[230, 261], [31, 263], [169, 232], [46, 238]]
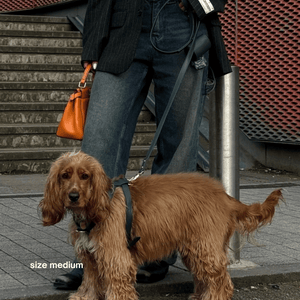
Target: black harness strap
[[123, 182]]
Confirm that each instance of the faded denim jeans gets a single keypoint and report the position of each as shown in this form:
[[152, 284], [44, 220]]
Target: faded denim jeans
[[116, 100]]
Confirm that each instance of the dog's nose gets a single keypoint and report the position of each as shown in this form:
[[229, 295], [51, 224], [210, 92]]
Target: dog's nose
[[74, 196]]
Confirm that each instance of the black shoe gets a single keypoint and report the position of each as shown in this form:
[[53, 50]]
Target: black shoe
[[152, 272], [148, 273], [69, 281]]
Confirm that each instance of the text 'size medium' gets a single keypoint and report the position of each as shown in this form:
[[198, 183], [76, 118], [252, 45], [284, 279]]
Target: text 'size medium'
[[66, 265]]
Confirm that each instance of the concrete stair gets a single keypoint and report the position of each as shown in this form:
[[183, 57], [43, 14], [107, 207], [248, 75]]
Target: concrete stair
[[39, 69]]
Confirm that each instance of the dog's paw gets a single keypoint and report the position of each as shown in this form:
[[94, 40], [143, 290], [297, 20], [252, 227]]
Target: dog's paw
[[76, 296]]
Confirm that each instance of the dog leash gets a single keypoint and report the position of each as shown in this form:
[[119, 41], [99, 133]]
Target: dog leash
[[202, 47], [172, 97], [124, 182]]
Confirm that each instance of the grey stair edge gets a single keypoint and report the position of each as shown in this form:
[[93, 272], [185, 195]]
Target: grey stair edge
[[38, 128], [32, 106], [40, 50], [41, 67], [38, 86], [40, 33], [33, 19], [49, 153], [42, 166], [28, 129]]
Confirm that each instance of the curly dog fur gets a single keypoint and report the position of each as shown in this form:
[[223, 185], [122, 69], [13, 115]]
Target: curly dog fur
[[188, 212]]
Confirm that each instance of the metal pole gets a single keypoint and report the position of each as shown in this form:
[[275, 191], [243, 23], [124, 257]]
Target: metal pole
[[224, 141], [215, 124]]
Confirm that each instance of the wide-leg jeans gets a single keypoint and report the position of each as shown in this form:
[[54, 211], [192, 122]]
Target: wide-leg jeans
[[116, 100]]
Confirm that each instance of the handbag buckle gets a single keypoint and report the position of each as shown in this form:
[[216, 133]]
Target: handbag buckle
[[81, 85]]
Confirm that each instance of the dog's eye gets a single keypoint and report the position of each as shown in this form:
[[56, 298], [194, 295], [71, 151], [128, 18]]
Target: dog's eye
[[65, 175], [85, 176]]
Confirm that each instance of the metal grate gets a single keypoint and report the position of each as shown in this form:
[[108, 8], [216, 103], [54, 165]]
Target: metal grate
[[15, 5], [265, 46]]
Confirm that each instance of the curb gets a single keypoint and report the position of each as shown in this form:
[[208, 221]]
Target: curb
[[174, 283], [269, 185], [242, 186]]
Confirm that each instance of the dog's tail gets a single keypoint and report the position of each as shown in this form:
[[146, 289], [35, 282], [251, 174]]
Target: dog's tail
[[249, 218]]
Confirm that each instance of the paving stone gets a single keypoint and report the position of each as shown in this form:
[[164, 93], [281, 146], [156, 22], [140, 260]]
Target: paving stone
[[30, 278]]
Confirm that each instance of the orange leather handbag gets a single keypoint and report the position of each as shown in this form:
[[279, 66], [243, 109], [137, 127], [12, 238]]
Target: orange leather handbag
[[72, 122]]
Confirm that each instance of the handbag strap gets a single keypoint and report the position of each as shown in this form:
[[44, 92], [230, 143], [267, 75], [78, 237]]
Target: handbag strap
[[82, 83]]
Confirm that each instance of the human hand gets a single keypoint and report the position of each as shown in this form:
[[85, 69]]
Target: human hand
[[94, 64], [182, 6]]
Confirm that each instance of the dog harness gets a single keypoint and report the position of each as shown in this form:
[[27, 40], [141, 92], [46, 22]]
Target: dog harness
[[123, 182]]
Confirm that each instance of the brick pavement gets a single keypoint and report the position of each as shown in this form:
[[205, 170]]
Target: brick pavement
[[23, 242]]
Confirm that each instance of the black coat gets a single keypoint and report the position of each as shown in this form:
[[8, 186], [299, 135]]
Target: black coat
[[112, 29]]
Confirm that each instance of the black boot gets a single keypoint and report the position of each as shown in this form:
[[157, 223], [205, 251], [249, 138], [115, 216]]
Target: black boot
[[155, 271], [69, 281], [152, 272]]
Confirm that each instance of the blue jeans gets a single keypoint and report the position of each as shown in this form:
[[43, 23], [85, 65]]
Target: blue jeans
[[116, 100]]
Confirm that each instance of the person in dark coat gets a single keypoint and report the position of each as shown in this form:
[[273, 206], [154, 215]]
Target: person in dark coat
[[132, 43]]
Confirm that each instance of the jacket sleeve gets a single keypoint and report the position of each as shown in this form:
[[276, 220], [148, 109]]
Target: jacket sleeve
[[96, 28], [206, 7]]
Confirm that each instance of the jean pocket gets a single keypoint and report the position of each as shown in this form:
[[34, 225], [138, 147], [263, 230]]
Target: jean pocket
[[174, 28]]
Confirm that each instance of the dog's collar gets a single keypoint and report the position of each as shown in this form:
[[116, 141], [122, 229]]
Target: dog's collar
[[87, 229], [123, 182]]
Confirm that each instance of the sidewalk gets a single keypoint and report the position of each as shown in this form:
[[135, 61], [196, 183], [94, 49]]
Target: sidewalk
[[29, 251]]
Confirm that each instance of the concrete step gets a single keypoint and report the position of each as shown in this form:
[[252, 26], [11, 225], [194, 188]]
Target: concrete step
[[39, 160], [7, 107], [20, 76], [34, 96], [44, 135], [42, 67], [36, 50], [32, 23], [41, 58], [41, 34], [42, 113], [31, 117], [41, 76], [33, 19], [13, 129], [34, 26], [51, 86], [39, 41]]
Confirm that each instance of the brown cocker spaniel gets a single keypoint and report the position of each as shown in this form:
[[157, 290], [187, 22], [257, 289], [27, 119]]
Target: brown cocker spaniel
[[185, 212]]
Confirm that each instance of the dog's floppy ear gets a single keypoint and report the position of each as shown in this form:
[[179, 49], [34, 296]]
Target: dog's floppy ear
[[51, 206], [99, 203]]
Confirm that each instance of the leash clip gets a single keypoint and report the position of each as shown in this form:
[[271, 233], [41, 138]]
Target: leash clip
[[141, 171]]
